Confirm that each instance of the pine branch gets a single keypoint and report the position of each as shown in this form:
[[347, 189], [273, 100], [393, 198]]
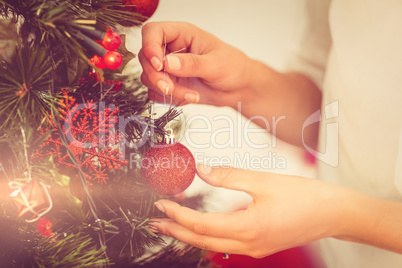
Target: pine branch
[[19, 241], [55, 24], [24, 84], [127, 204], [109, 12], [49, 58], [73, 250], [168, 257]]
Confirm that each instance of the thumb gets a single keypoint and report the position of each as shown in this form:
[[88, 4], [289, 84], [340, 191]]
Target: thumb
[[188, 65], [228, 177]]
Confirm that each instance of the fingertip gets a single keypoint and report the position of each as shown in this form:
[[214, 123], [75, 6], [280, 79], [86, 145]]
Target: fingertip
[[207, 174], [164, 204], [163, 86], [203, 170], [192, 97], [173, 62], [159, 226], [153, 53], [224, 176], [153, 226], [168, 207], [159, 206], [156, 63]]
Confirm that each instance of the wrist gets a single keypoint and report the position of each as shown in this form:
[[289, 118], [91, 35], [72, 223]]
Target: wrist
[[258, 80], [354, 217], [257, 91]]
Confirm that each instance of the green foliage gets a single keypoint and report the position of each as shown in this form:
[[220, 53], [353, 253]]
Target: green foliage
[[105, 11], [93, 226], [177, 255], [70, 250], [24, 87], [113, 11], [18, 242], [55, 24]]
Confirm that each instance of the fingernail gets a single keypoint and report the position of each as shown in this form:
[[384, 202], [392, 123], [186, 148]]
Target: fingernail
[[156, 63], [153, 226], [153, 229], [174, 62], [203, 169], [191, 97], [163, 86], [159, 206]]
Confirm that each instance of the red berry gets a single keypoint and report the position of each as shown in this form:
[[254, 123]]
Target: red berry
[[44, 227], [112, 60], [111, 41], [97, 61]]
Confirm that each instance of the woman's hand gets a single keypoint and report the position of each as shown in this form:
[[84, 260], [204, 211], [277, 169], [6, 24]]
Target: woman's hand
[[286, 211], [200, 68]]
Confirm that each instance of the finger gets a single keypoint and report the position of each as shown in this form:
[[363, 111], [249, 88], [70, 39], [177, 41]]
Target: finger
[[230, 177], [162, 82], [184, 93], [191, 65], [179, 232], [145, 81], [155, 34], [152, 37], [154, 94], [157, 96], [153, 78], [181, 94], [232, 225]]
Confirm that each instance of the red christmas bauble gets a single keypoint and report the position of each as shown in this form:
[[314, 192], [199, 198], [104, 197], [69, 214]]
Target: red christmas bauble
[[111, 40], [144, 7], [112, 60], [168, 168], [44, 227]]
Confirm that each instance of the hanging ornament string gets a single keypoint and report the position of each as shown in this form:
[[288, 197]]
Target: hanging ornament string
[[164, 83], [164, 71], [151, 108]]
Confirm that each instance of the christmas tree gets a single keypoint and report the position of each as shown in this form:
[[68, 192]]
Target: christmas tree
[[73, 131]]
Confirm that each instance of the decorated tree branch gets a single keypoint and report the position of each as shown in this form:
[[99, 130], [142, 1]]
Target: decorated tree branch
[[74, 133]]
